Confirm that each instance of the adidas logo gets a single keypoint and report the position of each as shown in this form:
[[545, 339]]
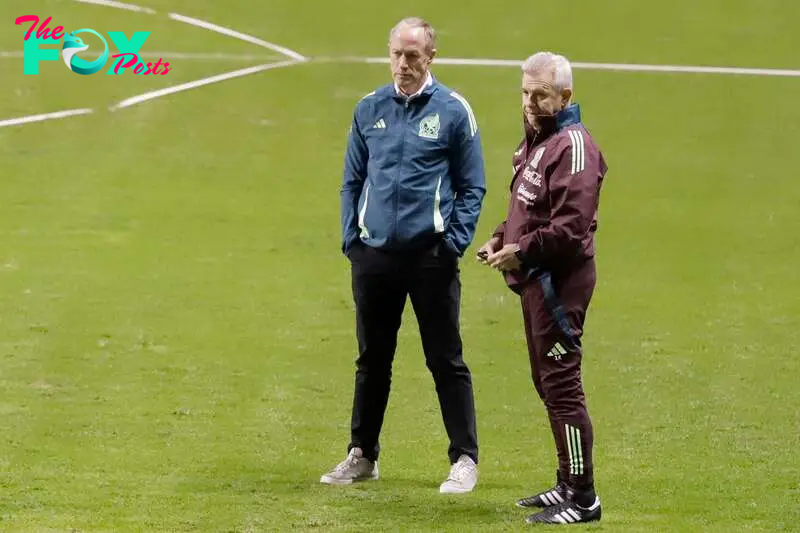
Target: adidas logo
[[380, 124], [557, 351]]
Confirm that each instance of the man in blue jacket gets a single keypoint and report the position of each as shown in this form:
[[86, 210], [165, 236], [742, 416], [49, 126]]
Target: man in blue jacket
[[411, 195]]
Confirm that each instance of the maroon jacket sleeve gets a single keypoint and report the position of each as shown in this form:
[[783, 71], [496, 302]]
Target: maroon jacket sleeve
[[500, 230], [574, 189]]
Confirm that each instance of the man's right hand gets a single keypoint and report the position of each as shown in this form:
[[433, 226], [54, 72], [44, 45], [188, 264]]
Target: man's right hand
[[491, 246]]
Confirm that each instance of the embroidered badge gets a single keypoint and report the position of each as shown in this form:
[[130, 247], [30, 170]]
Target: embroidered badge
[[429, 127]]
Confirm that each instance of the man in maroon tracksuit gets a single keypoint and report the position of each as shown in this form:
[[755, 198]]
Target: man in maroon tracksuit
[[545, 248]]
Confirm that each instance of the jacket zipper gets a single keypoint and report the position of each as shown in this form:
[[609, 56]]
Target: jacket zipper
[[390, 237]]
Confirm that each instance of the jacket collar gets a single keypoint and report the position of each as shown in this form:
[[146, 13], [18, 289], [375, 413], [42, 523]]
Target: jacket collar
[[569, 116], [428, 83], [428, 88]]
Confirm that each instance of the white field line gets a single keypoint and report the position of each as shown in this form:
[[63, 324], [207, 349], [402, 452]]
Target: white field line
[[119, 5], [152, 95], [601, 66], [689, 69], [46, 116], [238, 35], [210, 56], [213, 56]]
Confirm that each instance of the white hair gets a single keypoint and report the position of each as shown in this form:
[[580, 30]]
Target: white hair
[[550, 62], [417, 22]]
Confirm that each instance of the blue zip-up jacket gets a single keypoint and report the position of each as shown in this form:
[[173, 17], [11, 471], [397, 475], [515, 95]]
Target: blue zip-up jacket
[[413, 171]]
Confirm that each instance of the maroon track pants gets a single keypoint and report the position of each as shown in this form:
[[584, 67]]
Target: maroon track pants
[[554, 308]]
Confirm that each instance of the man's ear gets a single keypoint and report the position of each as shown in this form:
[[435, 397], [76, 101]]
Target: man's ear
[[566, 95], [431, 56]]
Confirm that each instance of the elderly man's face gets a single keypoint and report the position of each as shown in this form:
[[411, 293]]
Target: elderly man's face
[[409, 59], [540, 98]]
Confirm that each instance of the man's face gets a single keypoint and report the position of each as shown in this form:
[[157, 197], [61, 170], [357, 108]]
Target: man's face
[[409, 59], [541, 98]]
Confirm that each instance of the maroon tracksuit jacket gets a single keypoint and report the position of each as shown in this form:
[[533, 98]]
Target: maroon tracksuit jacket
[[552, 213]]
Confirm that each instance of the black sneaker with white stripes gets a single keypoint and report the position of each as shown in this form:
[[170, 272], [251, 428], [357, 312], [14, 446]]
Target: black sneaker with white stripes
[[553, 496], [568, 512]]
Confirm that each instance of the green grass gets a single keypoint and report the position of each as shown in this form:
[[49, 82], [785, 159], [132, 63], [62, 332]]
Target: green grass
[[176, 324]]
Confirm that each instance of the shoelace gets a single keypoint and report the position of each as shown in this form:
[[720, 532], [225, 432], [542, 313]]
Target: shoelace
[[459, 471], [351, 460]]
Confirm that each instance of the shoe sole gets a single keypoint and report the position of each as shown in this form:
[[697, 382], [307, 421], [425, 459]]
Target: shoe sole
[[327, 480], [596, 518], [527, 521], [454, 491]]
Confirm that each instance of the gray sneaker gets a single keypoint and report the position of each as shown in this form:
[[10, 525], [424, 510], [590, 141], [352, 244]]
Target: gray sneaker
[[463, 477], [354, 468]]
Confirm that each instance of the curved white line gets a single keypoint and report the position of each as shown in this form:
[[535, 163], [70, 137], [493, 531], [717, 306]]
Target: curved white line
[[119, 5], [152, 95], [238, 35], [46, 116]]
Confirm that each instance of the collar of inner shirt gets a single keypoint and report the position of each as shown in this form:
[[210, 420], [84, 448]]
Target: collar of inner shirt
[[428, 83]]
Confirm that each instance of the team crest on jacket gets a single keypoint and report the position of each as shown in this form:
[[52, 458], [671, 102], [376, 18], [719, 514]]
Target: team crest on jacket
[[429, 127], [537, 157]]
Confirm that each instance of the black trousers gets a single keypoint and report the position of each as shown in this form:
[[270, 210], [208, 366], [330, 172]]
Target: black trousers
[[381, 282]]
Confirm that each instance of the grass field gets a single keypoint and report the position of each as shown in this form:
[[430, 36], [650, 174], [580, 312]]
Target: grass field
[[176, 324]]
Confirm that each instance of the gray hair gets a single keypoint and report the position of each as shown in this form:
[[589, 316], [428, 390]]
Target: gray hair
[[417, 22], [550, 62]]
